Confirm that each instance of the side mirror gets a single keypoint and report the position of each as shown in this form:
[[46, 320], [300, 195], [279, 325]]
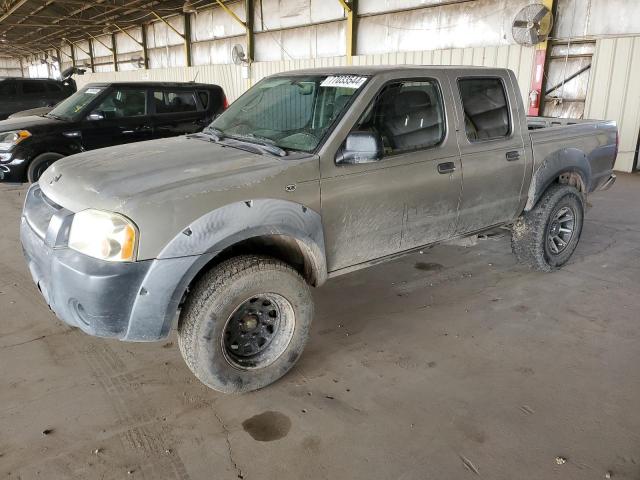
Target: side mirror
[[93, 116], [360, 147]]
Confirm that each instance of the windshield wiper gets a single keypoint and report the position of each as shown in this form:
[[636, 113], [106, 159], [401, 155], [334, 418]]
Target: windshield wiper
[[266, 143], [55, 117], [214, 133]]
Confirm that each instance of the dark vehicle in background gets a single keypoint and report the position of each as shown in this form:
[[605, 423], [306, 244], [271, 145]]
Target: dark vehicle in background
[[103, 115], [17, 94]]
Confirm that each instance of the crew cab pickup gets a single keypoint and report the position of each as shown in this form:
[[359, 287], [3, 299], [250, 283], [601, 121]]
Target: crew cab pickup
[[309, 175]]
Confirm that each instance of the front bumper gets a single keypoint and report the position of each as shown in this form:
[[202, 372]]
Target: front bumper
[[15, 169], [135, 301]]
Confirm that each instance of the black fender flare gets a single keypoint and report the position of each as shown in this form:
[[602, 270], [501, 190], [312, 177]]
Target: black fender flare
[[566, 160], [223, 227], [196, 246]]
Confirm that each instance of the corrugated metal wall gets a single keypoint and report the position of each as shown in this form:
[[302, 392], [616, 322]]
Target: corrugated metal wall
[[517, 58], [10, 67], [614, 92]]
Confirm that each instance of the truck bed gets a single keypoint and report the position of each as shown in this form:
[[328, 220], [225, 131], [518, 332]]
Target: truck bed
[[537, 123], [588, 144]]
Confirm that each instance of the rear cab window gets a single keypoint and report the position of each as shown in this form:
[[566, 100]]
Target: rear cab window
[[174, 101], [486, 109]]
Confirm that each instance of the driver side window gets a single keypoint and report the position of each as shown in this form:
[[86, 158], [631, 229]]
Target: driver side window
[[123, 103], [407, 115]]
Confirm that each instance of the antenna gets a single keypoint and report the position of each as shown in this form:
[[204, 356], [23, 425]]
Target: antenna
[[196, 77]]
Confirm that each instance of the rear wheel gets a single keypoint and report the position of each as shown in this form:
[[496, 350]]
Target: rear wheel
[[245, 323], [40, 164], [546, 237]]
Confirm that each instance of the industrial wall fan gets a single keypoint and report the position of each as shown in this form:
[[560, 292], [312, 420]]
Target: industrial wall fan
[[532, 24], [237, 55]]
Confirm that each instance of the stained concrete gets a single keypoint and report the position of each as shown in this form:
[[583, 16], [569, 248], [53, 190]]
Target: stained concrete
[[451, 364]]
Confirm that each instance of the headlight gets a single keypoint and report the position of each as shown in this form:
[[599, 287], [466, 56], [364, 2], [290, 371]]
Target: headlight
[[104, 235], [11, 139]]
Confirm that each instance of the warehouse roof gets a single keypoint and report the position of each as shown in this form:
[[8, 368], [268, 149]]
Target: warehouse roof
[[30, 26]]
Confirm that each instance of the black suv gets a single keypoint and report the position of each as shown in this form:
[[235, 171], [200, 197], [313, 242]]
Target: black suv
[[102, 115], [19, 94]]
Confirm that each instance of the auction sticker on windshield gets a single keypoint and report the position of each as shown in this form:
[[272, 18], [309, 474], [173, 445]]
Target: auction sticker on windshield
[[344, 81]]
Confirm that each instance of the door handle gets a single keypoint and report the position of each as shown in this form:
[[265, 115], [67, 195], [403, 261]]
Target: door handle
[[446, 167], [513, 156]]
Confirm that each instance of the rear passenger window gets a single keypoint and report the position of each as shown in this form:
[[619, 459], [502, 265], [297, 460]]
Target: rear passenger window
[[408, 115], [486, 111], [204, 98], [32, 88], [174, 101]]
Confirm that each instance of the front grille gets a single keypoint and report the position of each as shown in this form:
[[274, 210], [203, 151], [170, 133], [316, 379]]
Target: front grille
[[38, 211]]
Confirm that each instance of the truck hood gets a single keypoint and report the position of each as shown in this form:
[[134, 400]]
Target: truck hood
[[119, 178]]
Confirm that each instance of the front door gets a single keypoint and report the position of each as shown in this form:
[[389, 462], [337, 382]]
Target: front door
[[408, 197], [120, 117], [494, 159]]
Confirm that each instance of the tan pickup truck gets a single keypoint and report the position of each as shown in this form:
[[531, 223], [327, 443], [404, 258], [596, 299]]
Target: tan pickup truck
[[309, 175]]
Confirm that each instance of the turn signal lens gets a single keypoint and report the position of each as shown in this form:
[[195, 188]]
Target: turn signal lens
[[11, 139]]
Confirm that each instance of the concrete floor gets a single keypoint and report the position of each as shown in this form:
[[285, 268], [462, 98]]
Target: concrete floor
[[451, 364]]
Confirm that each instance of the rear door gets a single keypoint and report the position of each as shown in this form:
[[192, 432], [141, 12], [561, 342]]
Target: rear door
[[119, 117], [177, 112], [494, 159], [409, 197]]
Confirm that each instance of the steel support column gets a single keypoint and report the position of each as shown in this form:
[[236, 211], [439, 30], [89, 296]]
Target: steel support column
[[145, 49], [187, 38], [536, 97], [248, 8], [73, 54], [114, 52], [351, 10], [91, 57]]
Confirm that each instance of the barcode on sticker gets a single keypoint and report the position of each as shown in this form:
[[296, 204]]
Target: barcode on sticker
[[344, 81]]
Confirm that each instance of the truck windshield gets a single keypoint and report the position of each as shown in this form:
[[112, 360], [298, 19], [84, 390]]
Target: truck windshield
[[73, 106], [292, 113]]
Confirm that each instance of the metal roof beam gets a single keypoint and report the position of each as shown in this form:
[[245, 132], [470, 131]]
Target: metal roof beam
[[12, 9]]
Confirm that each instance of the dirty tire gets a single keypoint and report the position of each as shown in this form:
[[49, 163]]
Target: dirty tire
[[213, 303], [530, 234], [39, 164]]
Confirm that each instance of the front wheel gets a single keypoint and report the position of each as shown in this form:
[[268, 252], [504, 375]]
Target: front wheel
[[546, 237], [245, 323]]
